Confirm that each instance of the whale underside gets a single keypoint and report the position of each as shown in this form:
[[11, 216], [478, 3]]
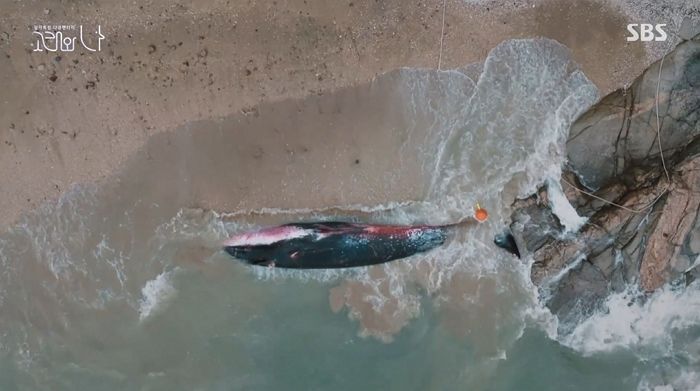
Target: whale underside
[[333, 244]]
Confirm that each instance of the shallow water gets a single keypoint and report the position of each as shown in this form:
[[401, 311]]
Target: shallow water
[[123, 285]]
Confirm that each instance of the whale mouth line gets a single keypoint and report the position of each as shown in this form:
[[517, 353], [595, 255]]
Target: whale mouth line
[[242, 253]]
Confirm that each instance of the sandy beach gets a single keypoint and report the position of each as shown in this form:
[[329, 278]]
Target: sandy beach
[[125, 171], [76, 117]]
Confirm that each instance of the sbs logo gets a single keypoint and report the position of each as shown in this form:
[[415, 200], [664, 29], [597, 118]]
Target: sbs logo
[[647, 32]]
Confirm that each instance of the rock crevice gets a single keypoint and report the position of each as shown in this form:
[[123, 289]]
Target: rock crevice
[[642, 210]]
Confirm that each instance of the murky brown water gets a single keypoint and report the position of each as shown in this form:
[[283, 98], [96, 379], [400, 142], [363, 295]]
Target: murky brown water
[[122, 285]]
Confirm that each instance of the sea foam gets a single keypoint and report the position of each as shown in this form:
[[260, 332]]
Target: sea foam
[[156, 293], [562, 208], [631, 320]]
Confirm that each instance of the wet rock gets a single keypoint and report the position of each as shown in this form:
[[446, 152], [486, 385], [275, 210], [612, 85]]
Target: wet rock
[[689, 28], [534, 224], [694, 239], [579, 295], [620, 131], [652, 235], [663, 259]]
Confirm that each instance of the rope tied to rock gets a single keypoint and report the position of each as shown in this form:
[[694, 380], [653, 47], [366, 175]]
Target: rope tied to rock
[[661, 155]]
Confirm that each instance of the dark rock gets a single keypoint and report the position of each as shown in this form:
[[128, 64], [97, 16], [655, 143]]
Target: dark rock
[[533, 224], [690, 27], [663, 259], [620, 131], [579, 294], [651, 236]]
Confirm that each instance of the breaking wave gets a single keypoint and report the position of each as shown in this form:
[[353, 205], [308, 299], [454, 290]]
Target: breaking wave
[[486, 133], [155, 294], [652, 325]]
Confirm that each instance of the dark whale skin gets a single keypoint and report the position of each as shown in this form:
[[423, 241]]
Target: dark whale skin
[[332, 244]]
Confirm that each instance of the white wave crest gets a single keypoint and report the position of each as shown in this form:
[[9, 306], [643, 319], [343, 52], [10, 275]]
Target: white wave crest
[[648, 325], [155, 294], [685, 381], [562, 208]]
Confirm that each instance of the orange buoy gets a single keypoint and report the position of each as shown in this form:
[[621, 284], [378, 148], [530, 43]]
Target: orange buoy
[[480, 214]]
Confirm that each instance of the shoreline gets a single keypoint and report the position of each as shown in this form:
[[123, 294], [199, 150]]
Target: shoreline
[[77, 118]]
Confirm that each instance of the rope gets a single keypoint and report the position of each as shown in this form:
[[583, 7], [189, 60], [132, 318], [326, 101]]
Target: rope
[[636, 211], [442, 32], [661, 154], [658, 122]]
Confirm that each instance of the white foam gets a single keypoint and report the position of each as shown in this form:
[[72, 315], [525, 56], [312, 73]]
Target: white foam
[[695, 263], [687, 380], [501, 137], [562, 208], [511, 136], [553, 282], [631, 321], [155, 294], [323, 211]]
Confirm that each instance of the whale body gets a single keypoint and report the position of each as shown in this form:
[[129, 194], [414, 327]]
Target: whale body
[[333, 244]]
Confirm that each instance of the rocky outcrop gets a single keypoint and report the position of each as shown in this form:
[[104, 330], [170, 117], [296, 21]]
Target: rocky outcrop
[[652, 235], [620, 132]]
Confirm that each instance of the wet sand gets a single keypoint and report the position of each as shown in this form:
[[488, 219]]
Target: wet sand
[[79, 116], [126, 282], [409, 135]]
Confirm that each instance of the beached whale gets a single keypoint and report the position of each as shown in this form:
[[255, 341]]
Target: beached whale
[[332, 244]]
